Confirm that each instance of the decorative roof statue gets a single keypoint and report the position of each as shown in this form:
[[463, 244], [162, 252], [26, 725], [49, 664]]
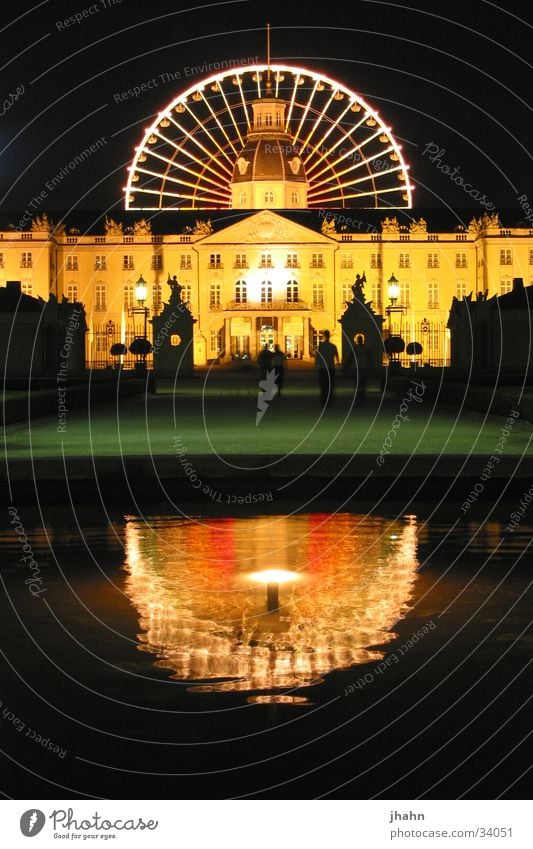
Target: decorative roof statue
[[390, 225], [328, 227], [113, 228], [419, 226], [142, 228], [204, 228], [491, 222], [358, 287], [43, 224], [475, 226], [175, 289]]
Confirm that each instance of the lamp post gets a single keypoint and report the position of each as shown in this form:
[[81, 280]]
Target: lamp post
[[273, 578], [393, 291], [140, 344]]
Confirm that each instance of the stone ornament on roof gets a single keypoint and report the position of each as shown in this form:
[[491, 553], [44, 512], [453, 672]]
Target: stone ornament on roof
[[390, 225], [142, 228], [113, 228], [419, 226], [328, 227], [486, 222]]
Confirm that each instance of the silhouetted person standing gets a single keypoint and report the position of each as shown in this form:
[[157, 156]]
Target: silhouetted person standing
[[265, 362], [326, 358], [278, 361]]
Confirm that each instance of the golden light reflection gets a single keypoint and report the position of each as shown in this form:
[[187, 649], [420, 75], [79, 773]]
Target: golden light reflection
[[199, 587]]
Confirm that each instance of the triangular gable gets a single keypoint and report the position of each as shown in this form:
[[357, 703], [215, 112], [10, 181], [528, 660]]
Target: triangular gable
[[265, 227]]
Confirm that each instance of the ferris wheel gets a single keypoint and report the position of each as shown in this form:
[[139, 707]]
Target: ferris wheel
[[186, 158]]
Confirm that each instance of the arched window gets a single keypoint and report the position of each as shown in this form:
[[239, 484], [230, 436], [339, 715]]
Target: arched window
[[292, 291], [241, 294], [269, 197], [295, 197], [266, 292], [268, 119]]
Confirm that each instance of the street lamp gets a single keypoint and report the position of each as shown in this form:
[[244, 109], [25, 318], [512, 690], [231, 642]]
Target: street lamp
[[140, 345], [393, 289], [394, 343], [273, 578]]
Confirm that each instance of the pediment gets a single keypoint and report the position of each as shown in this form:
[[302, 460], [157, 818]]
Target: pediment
[[265, 227]]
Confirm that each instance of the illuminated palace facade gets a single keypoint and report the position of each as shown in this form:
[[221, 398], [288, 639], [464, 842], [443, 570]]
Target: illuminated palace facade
[[266, 279], [273, 146]]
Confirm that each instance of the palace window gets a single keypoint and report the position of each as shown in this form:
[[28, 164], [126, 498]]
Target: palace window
[[100, 263], [269, 121], [26, 260], [433, 294], [128, 296], [295, 197], [215, 261], [433, 260], [185, 262], [346, 293], [318, 296], [376, 294], [242, 198], [1, 260], [214, 295], [215, 342], [461, 287], [241, 261], [405, 260], [266, 292], [157, 262], [375, 260], [346, 261], [265, 261], [127, 262], [241, 292], [72, 292], [317, 261], [186, 292], [530, 256], [405, 293], [506, 256], [506, 285], [26, 288], [292, 261], [100, 298], [269, 197], [292, 291], [157, 297], [72, 263], [460, 261]]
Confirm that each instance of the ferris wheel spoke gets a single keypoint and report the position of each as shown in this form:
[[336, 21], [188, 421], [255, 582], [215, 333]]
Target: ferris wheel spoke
[[344, 136], [180, 180], [291, 104], [191, 136], [373, 176], [318, 119], [321, 198], [180, 148], [230, 113], [184, 167], [238, 81], [215, 141], [361, 163], [319, 145], [180, 195], [305, 113]]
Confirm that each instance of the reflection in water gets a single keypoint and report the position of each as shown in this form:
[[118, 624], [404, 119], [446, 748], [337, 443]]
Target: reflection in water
[[205, 619]]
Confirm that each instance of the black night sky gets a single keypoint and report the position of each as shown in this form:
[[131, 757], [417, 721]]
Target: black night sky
[[453, 74]]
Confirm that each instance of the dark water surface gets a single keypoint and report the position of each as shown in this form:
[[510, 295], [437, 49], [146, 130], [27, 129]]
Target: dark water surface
[[147, 663]]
